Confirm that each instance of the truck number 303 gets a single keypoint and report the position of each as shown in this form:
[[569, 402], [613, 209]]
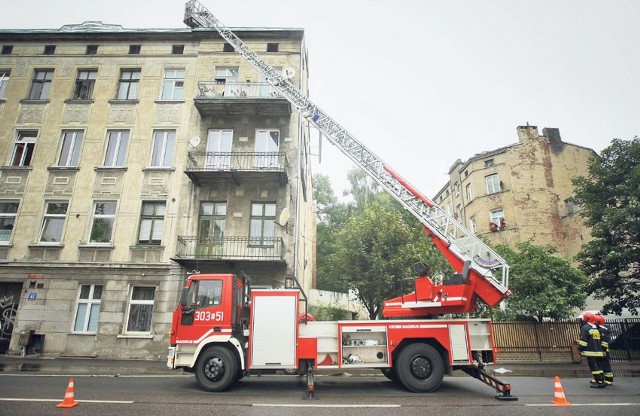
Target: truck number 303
[[209, 316]]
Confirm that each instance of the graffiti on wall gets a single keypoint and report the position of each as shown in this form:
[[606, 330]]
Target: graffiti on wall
[[8, 310]]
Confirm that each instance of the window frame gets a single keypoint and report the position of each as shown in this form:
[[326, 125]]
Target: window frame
[[173, 84], [493, 184], [469, 192], [70, 148], [88, 83], [5, 75], [163, 148], [143, 302], [266, 224], [90, 301], [495, 215], [40, 84], [116, 149], [109, 218], [51, 219], [24, 146], [154, 218], [8, 219], [128, 84]]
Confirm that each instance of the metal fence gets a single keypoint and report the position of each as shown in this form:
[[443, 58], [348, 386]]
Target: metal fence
[[545, 338]]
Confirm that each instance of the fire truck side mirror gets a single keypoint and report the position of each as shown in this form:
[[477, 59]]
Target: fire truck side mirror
[[184, 296]]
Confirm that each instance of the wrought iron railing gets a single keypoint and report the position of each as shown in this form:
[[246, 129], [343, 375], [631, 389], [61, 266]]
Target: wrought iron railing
[[237, 161], [234, 89], [230, 248]]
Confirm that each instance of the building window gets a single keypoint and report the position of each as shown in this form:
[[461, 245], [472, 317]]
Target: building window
[[151, 223], [7, 49], [71, 146], [117, 144], [53, 223], [456, 189], [88, 309], [211, 222], [227, 47], [128, 84], [272, 47], [135, 49], [571, 206], [91, 50], [488, 163], [173, 85], [227, 77], [163, 146], [496, 215], [4, 81], [177, 49], [493, 184], [469, 192], [23, 148], [8, 213], [49, 49], [263, 220], [41, 84], [140, 310], [104, 214], [473, 226], [460, 213], [83, 89], [267, 145]]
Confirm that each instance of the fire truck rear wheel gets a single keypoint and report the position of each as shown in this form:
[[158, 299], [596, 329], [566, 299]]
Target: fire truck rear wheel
[[420, 368], [216, 369]]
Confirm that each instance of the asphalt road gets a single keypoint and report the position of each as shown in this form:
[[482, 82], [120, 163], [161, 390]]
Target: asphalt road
[[278, 395]]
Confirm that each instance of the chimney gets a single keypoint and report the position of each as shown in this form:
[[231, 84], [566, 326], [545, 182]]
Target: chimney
[[552, 134], [527, 132]]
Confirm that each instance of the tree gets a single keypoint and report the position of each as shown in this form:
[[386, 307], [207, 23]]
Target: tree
[[544, 285], [609, 198]]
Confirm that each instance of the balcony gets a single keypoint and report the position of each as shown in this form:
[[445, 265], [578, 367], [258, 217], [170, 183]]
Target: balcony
[[205, 167], [225, 249], [240, 99]]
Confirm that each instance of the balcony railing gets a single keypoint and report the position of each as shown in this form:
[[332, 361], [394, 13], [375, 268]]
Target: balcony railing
[[211, 165], [240, 99], [213, 89], [230, 248]]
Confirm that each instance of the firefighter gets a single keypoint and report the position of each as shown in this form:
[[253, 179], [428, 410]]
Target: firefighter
[[605, 338], [590, 347]]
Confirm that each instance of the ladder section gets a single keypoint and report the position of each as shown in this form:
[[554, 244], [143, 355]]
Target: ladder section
[[460, 241]]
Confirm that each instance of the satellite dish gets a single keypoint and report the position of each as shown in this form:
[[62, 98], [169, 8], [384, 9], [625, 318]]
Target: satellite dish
[[194, 141], [289, 73], [284, 217]]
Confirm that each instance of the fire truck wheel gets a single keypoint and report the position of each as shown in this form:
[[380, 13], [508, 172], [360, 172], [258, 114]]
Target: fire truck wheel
[[420, 368], [216, 369]]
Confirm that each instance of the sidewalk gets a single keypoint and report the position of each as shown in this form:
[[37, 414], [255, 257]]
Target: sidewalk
[[101, 367]]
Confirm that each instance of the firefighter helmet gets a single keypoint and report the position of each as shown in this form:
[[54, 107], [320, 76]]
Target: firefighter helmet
[[599, 320], [589, 317]]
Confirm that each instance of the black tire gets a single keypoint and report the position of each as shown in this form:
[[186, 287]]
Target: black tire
[[389, 373], [419, 368], [216, 369]]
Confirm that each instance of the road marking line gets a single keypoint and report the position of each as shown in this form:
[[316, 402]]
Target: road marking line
[[16, 399], [586, 404], [325, 405]]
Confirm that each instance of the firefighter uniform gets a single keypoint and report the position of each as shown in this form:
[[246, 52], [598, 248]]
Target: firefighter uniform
[[605, 338], [590, 347]]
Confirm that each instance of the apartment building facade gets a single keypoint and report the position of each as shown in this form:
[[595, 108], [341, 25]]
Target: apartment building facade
[[132, 157], [521, 191]]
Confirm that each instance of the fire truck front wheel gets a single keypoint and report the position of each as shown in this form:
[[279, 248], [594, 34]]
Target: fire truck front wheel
[[420, 368], [216, 369]]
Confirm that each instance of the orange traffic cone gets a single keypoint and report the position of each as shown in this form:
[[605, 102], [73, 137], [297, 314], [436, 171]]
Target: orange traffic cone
[[69, 400], [558, 394]]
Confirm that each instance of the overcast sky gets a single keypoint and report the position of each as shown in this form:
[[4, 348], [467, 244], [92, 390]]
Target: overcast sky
[[425, 82]]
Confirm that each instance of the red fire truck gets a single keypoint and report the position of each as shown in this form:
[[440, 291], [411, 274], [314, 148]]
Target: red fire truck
[[223, 330]]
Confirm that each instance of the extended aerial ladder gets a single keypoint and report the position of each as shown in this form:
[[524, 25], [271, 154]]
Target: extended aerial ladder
[[476, 261]]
